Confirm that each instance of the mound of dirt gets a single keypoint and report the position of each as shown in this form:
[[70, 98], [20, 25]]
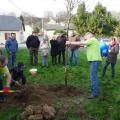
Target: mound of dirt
[[36, 101], [34, 95], [62, 90], [43, 112]]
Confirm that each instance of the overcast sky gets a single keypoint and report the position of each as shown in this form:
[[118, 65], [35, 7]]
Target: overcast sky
[[38, 7]]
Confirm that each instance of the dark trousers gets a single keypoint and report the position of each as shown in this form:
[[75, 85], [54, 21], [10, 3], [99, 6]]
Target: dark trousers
[[11, 60], [33, 56], [1, 88], [54, 59], [112, 69], [61, 53]]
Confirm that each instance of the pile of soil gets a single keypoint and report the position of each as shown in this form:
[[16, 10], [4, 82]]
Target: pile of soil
[[42, 112], [37, 101], [37, 94]]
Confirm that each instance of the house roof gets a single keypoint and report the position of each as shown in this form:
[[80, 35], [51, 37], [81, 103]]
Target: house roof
[[57, 26], [10, 23]]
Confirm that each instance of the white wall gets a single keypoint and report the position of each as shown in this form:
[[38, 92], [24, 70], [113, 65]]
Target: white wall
[[49, 33], [2, 36], [19, 36], [27, 32]]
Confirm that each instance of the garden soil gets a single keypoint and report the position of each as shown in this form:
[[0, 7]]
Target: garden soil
[[32, 98]]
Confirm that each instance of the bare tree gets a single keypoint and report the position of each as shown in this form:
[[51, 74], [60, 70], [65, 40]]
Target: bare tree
[[61, 16], [70, 6]]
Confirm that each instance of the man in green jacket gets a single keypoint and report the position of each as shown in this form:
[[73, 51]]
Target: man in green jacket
[[94, 58]]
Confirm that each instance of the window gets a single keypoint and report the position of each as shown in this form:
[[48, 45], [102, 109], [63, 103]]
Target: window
[[7, 35]]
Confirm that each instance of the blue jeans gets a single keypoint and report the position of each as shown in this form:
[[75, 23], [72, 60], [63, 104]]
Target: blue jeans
[[112, 69], [44, 60], [11, 60], [94, 65], [74, 52]]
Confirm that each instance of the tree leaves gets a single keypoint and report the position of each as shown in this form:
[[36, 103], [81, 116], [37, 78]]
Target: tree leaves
[[99, 22]]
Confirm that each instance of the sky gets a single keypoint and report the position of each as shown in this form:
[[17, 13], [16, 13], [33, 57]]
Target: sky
[[38, 7]]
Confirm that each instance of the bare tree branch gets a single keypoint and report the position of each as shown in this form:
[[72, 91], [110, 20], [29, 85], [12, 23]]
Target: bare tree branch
[[70, 6]]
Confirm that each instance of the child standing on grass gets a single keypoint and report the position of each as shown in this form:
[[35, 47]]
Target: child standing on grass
[[44, 51], [112, 56]]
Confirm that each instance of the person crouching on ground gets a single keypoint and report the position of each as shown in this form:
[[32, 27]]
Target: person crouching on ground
[[17, 74], [112, 56], [44, 51], [4, 74]]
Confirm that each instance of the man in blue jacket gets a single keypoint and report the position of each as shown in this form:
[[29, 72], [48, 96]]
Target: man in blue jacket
[[11, 46]]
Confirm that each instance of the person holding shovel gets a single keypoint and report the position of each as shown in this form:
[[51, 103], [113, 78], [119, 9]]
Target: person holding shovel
[[4, 74]]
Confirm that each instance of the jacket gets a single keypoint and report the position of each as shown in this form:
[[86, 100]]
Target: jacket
[[113, 52], [54, 47], [74, 39], [44, 48], [32, 42], [62, 42], [11, 45]]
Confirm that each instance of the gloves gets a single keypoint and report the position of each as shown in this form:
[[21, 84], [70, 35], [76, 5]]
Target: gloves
[[6, 89]]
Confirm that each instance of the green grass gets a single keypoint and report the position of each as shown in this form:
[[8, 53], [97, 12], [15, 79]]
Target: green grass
[[106, 107], [9, 112]]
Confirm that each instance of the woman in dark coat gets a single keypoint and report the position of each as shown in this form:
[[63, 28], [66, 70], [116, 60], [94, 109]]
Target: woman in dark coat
[[112, 56], [54, 50], [62, 45]]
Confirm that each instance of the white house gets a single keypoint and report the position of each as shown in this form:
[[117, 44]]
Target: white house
[[8, 25], [51, 26]]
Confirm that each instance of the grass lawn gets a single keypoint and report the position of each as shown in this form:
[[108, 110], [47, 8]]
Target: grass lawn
[[106, 107]]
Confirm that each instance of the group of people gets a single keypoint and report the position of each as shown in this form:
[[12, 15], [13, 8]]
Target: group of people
[[94, 58], [57, 49], [11, 46], [8, 70], [57, 46]]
